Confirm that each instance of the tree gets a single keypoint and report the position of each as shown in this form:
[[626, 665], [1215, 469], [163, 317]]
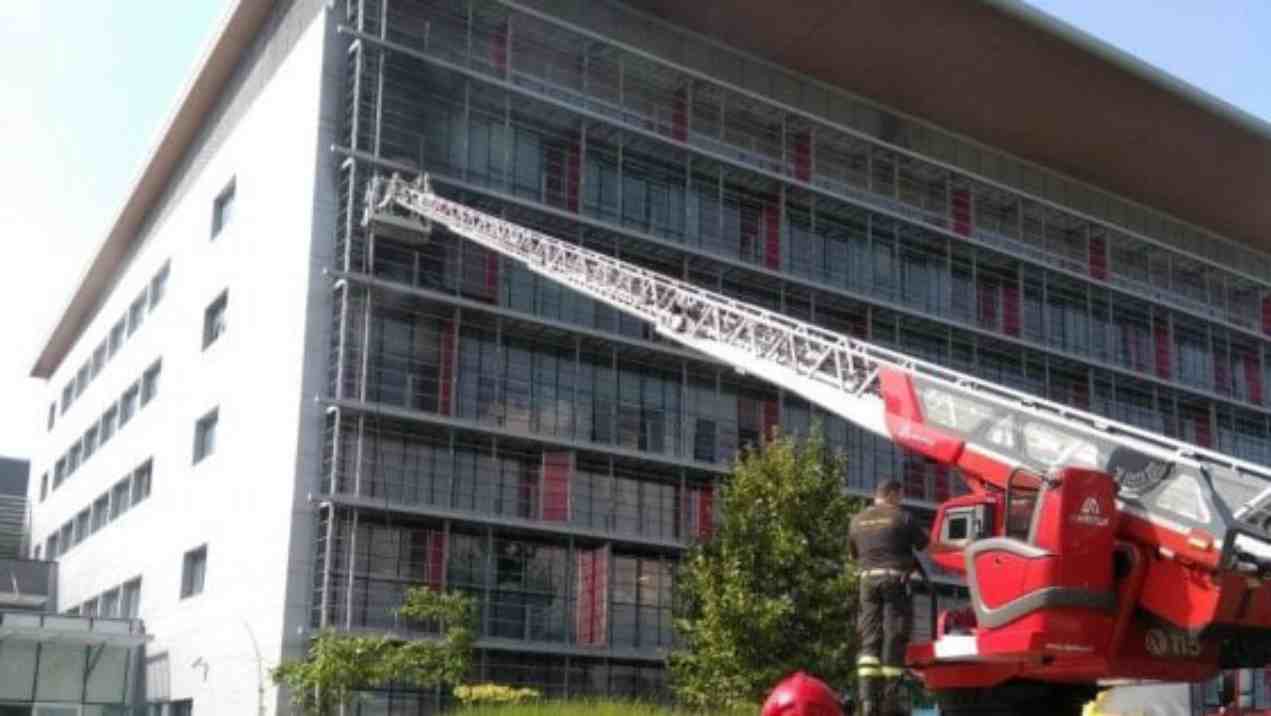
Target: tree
[[774, 590], [339, 665]]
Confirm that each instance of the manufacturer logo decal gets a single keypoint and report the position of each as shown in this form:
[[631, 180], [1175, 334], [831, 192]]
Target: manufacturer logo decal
[[1135, 472], [1090, 514]]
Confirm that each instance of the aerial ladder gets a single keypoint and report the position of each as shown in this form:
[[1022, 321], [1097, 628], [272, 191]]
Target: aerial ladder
[[1093, 551]]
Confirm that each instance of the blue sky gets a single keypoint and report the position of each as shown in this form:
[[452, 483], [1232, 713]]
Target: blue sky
[[87, 85]]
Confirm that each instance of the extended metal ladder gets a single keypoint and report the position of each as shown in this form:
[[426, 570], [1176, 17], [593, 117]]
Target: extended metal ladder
[[837, 372]]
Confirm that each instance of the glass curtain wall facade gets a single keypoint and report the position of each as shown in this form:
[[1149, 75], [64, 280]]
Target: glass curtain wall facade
[[492, 432]]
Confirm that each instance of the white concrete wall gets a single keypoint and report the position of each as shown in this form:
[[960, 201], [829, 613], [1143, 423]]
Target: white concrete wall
[[247, 502]]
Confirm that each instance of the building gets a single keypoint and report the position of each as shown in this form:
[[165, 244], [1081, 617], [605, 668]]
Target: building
[[13, 507], [270, 421]]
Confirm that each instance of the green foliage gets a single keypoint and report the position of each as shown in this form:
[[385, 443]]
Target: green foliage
[[338, 665], [774, 590], [487, 694]]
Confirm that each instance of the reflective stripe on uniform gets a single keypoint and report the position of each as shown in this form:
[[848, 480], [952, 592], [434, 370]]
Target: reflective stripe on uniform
[[869, 672], [867, 659], [891, 672]]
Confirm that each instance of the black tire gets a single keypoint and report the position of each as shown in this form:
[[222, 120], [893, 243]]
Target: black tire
[[1016, 697]]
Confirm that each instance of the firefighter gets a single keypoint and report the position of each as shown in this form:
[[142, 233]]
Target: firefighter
[[883, 539]]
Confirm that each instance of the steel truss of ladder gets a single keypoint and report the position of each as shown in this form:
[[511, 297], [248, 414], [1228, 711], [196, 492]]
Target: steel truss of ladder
[[838, 372]]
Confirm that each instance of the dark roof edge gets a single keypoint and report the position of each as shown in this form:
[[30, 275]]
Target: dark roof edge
[[239, 25], [1135, 66]]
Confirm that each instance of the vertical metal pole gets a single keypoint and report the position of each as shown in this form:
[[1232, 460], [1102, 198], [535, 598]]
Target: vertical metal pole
[[325, 600], [351, 571], [342, 340]]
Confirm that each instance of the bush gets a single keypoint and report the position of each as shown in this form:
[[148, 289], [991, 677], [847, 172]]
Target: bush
[[486, 694]]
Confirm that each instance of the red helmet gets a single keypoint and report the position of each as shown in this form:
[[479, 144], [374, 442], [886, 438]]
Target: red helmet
[[802, 695]]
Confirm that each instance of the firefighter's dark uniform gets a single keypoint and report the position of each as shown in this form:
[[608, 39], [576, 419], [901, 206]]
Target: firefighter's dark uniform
[[883, 539]]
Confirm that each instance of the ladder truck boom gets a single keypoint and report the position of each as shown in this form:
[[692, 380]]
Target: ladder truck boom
[[1174, 516]]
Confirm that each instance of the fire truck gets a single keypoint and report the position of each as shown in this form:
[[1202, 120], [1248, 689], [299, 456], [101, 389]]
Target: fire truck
[[1093, 551]]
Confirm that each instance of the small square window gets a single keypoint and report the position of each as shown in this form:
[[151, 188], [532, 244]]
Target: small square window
[[120, 498], [137, 313], [51, 548], [158, 285], [52, 415], [205, 435], [99, 359], [214, 319], [73, 457], [67, 536], [83, 525], [82, 378], [101, 511], [223, 210], [184, 707], [44, 486], [109, 606], [150, 383], [128, 404], [141, 482], [90, 442], [108, 423], [68, 396], [193, 572], [130, 607], [59, 472], [117, 334]]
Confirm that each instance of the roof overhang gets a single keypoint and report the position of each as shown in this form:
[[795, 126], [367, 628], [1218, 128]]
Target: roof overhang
[[216, 66], [1009, 76]]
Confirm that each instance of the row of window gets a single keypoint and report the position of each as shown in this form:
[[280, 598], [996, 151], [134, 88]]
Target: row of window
[[112, 420], [545, 59], [525, 589], [128, 492], [123, 329], [121, 602]]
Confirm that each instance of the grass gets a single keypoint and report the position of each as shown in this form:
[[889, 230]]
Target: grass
[[589, 708]]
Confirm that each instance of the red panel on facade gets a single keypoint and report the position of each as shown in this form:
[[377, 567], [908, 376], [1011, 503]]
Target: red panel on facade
[[1204, 436], [1160, 333], [679, 115], [558, 474], [962, 211], [771, 418], [1010, 310], [1253, 378], [446, 369], [436, 577], [1098, 258], [940, 483], [592, 617], [772, 236], [803, 156], [500, 51], [701, 519], [1222, 374]]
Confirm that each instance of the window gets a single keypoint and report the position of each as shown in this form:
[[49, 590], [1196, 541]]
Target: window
[[101, 512], [141, 482], [90, 442], [205, 435], [128, 404], [193, 570], [137, 313], [51, 548], [44, 486], [158, 285], [52, 414], [117, 337], [150, 383], [83, 525], [108, 423], [59, 472], [184, 707], [223, 210], [68, 395], [214, 319], [99, 359], [82, 378], [72, 458], [108, 608], [130, 606], [67, 536], [120, 498]]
